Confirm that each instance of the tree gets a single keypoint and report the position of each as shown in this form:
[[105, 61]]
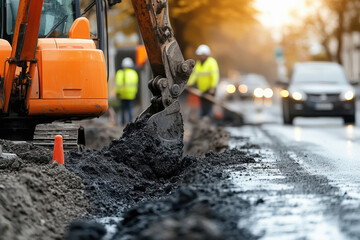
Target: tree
[[196, 22], [331, 19]]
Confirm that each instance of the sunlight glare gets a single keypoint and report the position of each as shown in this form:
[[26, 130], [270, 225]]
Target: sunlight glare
[[275, 13]]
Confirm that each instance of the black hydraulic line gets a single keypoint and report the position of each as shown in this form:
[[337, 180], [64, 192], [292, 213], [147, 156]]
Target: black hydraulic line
[[100, 24], [107, 41], [88, 7]]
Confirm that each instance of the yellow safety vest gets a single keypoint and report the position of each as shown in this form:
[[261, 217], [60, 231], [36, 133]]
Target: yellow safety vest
[[206, 75], [127, 83]]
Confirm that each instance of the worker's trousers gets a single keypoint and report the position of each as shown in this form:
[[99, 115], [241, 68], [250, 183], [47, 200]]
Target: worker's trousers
[[126, 106], [206, 108]]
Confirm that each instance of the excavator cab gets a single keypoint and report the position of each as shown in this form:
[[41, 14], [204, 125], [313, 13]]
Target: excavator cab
[[57, 17], [63, 75]]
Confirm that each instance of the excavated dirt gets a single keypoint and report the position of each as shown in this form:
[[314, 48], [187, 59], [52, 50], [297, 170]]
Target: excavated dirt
[[137, 179], [99, 134], [206, 137], [136, 168], [118, 175], [37, 199], [134, 177], [190, 213], [189, 205]]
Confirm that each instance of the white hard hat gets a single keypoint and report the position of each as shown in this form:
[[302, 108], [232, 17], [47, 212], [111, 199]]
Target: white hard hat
[[127, 63], [203, 50]]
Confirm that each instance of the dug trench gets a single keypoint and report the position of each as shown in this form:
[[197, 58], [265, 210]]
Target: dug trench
[[157, 193]]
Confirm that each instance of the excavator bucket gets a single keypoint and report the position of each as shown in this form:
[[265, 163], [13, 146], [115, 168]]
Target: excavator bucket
[[168, 126], [169, 68]]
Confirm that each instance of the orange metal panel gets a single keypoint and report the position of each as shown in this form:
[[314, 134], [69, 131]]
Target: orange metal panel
[[35, 92], [46, 43], [141, 55], [73, 108], [5, 51], [70, 69], [80, 28], [75, 43]]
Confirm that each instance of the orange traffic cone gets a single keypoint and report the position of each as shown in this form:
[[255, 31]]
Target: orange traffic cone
[[58, 154]]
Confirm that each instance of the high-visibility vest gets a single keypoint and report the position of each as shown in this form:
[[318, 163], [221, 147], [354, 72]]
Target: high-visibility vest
[[127, 83], [206, 75]]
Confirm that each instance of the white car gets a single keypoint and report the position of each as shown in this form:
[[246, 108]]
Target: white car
[[318, 89]]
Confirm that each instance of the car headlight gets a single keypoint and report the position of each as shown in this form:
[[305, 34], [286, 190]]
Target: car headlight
[[348, 95], [230, 88], [258, 92], [243, 88], [268, 93], [298, 95], [284, 93]]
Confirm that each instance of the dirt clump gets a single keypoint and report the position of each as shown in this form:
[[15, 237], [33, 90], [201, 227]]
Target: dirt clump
[[37, 199], [190, 213], [81, 230], [207, 137], [100, 134]]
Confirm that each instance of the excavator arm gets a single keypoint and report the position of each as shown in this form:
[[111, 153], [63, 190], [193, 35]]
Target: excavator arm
[[171, 72], [22, 55]]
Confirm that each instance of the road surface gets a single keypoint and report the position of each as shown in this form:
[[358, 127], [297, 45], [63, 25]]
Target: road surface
[[309, 177]]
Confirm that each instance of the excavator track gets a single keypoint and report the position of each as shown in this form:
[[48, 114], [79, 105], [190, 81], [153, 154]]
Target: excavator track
[[73, 135]]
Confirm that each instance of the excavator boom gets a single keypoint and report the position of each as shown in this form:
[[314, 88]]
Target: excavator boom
[[170, 71], [23, 52]]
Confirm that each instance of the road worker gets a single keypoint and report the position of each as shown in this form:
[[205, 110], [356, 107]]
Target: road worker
[[205, 76], [127, 86]]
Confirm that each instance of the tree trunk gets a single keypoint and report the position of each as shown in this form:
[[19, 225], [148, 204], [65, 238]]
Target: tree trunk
[[325, 44], [339, 35]]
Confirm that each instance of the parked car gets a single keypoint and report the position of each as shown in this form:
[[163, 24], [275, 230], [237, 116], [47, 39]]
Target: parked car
[[254, 85], [318, 89]]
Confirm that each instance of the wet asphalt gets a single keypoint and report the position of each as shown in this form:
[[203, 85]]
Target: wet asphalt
[[307, 175]]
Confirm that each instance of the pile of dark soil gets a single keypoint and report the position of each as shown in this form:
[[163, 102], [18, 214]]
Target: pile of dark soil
[[100, 134], [136, 169], [130, 170], [207, 137], [190, 213], [37, 199], [202, 210]]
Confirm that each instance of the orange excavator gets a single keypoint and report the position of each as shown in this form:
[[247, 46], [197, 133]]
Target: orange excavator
[[52, 64]]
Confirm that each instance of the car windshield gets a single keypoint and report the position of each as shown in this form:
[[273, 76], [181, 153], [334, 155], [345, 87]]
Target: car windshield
[[319, 74], [56, 17], [254, 80]]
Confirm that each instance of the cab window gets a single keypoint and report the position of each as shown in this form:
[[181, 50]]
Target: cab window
[[56, 17]]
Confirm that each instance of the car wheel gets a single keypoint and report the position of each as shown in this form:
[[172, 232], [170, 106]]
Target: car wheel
[[287, 117], [349, 119]]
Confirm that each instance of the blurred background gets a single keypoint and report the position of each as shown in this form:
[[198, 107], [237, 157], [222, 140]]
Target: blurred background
[[250, 37]]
